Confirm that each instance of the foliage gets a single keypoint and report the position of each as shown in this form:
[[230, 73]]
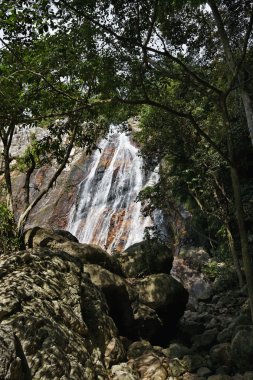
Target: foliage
[[9, 241], [172, 63]]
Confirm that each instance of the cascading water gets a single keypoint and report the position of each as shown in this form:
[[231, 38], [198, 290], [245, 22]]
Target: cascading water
[[106, 212]]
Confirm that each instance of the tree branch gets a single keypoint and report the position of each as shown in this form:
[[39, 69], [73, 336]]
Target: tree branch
[[129, 41], [46, 81], [187, 116]]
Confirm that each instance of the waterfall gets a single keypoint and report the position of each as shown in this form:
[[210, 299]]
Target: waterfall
[[106, 212]]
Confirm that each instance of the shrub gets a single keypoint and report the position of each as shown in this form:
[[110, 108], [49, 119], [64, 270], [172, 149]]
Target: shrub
[[8, 234]]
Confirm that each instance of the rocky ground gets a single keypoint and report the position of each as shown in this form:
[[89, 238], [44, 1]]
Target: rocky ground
[[71, 311]]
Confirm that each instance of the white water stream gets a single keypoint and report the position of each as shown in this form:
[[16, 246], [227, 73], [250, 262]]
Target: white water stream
[[106, 212]]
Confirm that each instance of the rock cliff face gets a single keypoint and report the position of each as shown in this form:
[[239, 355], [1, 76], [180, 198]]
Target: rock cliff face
[[106, 212], [53, 210], [94, 197]]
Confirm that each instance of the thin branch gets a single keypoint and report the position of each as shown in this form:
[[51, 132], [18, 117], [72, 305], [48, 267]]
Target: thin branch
[[43, 192], [152, 24], [244, 52], [185, 67], [246, 40], [10, 49], [184, 115], [209, 140], [129, 41], [10, 134], [138, 19], [47, 81]]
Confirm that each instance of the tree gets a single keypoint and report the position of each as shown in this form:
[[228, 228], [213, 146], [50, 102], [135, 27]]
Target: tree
[[162, 54], [190, 175], [35, 90], [165, 45], [235, 52]]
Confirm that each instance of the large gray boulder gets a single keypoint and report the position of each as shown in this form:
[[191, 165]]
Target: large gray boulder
[[147, 257], [147, 307], [119, 297], [65, 241], [242, 349], [162, 293], [54, 322]]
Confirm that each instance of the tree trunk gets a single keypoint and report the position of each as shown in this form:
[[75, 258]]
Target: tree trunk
[[7, 177], [6, 137], [247, 103], [234, 255], [23, 217], [247, 262]]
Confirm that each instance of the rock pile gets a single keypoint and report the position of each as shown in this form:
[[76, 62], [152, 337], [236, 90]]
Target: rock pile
[[67, 311], [71, 311], [213, 342]]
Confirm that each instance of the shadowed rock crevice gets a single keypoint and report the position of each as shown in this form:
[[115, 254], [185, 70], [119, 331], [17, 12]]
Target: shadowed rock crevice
[[24, 364], [120, 310]]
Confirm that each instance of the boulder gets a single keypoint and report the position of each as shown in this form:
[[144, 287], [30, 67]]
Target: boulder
[[191, 376], [221, 354], [151, 366], [176, 350], [66, 234], [145, 258], [204, 371], [114, 353], [86, 253], [193, 362], [123, 371], [242, 349], [188, 328], [195, 257], [159, 290], [248, 375], [147, 322], [167, 297], [138, 348], [117, 295], [136, 312], [205, 340], [47, 313], [11, 366]]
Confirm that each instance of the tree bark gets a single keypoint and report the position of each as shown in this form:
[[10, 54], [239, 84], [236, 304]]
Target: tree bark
[[234, 68], [234, 255], [6, 137], [247, 261], [247, 103], [7, 177]]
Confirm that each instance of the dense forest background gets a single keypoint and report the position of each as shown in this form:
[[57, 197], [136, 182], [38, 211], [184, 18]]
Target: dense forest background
[[183, 67]]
